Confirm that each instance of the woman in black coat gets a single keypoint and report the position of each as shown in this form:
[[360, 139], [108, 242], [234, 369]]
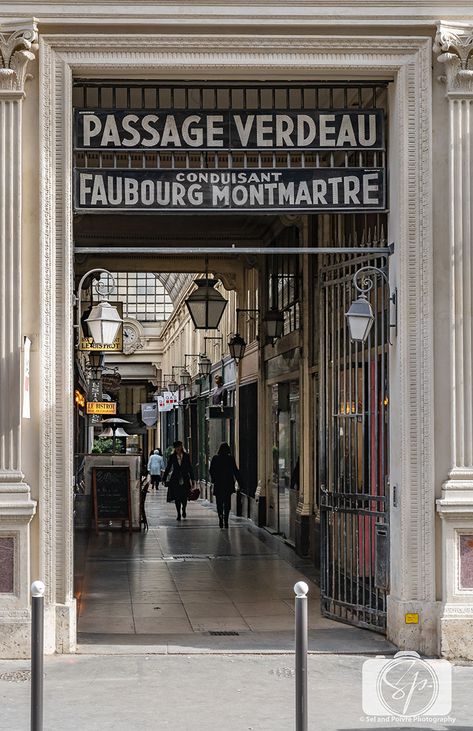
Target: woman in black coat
[[224, 472], [181, 478]]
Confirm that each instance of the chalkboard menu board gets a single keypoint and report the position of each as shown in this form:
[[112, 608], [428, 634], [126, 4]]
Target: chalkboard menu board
[[111, 494]]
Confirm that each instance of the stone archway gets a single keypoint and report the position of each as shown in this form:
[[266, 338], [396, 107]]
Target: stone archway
[[406, 60]]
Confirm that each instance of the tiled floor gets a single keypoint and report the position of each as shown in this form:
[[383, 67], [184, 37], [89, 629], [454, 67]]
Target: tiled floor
[[189, 577]]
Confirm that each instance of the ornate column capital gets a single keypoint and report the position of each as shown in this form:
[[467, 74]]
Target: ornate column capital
[[454, 44], [17, 43]]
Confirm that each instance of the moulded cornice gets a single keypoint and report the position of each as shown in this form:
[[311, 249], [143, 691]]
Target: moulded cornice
[[17, 43], [256, 44], [242, 55], [454, 44], [263, 13], [456, 509]]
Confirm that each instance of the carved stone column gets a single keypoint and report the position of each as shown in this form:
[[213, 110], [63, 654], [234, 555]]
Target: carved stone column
[[454, 43], [16, 507]]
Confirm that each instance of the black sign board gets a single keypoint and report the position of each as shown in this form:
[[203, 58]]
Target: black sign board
[[219, 412], [252, 189], [111, 494], [162, 129]]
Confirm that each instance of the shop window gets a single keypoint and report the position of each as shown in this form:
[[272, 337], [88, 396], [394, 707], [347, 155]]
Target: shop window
[[284, 282], [248, 438]]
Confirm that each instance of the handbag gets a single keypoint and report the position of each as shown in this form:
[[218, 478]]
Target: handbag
[[170, 494], [194, 493]]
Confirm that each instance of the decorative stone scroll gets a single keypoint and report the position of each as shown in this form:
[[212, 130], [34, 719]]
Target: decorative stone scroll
[[454, 44], [16, 50]]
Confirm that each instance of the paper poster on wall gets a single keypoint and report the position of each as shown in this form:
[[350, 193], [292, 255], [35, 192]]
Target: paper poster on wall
[[26, 378]]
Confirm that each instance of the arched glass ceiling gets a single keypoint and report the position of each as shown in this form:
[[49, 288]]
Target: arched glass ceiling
[[175, 283], [145, 295]]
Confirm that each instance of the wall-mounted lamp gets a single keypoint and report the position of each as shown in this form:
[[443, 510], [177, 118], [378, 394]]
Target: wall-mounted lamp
[[360, 316], [274, 320], [204, 364], [95, 364], [170, 380], [184, 376], [237, 344], [237, 347], [104, 319]]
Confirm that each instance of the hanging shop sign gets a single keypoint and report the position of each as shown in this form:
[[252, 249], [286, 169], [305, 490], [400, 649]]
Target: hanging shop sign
[[149, 413], [257, 190], [168, 401], [102, 407], [338, 129], [111, 382], [94, 389]]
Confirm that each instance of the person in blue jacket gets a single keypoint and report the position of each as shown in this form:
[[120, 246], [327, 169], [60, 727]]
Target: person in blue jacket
[[155, 468]]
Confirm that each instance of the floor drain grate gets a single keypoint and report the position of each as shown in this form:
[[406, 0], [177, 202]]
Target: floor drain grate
[[223, 633], [188, 557], [19, 676]]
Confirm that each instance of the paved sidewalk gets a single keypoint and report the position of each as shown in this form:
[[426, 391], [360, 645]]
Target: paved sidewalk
[[201, 693]]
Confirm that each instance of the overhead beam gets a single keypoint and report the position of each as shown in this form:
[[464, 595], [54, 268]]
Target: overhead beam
[[232, 250]]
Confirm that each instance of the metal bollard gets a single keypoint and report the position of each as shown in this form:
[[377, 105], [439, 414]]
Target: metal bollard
[[37, 650], [300, 590]]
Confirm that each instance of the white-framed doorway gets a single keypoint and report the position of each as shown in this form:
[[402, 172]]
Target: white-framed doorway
[[406, 61]]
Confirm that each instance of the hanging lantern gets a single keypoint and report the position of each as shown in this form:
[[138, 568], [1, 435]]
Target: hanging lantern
[[205, 365], [360, 319], [186, 378], [95, 359], [173, 386], [206, 305], [237, 347], [274, 320], [103, 322]]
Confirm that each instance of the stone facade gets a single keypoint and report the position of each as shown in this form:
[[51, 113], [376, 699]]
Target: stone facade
[[430, 131]]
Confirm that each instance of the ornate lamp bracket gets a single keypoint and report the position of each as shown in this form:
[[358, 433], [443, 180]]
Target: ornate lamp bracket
[[364, 280]]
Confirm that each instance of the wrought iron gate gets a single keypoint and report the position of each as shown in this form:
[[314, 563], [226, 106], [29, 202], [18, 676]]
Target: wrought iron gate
[[353, 449]]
